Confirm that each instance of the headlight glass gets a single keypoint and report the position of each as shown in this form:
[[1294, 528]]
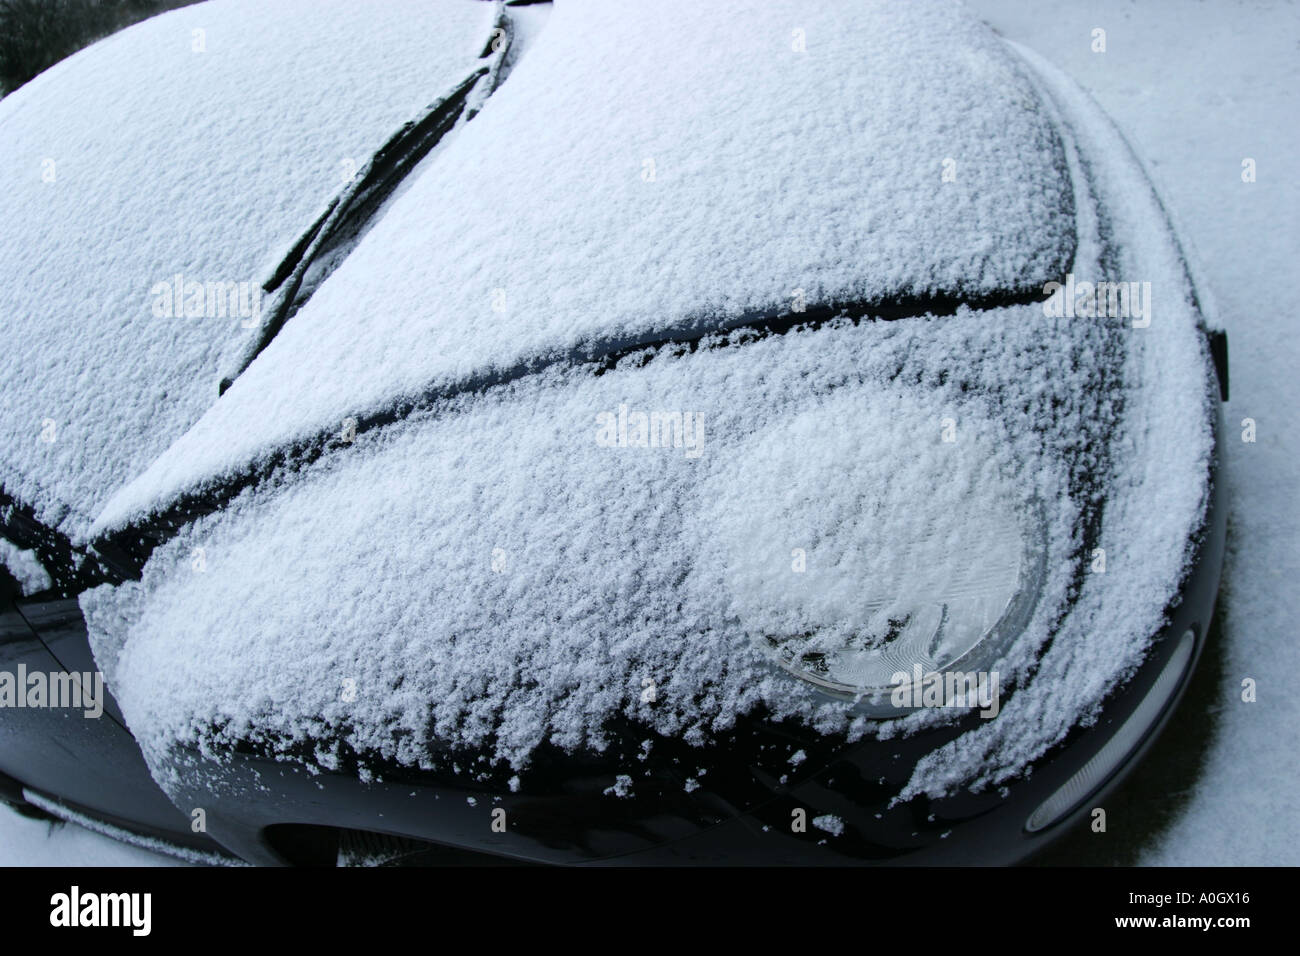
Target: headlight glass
[[953, 602], [876, 535]]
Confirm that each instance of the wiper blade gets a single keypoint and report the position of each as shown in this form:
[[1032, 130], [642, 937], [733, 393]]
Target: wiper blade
[[350, 214]]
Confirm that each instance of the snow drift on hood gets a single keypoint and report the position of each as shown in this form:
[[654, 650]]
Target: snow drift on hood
[[496, 575]]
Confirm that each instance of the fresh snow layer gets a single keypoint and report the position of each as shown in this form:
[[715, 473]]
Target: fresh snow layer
[[494, 573], [667, 167], [1197, 96], [25, 567], [1201, 89], [829, 823], [200, 143], [491, 574], [27, 842], [184, 854]]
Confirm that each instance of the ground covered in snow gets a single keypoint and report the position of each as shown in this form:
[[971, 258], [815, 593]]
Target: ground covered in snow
[[25, 842], [1198, 88]]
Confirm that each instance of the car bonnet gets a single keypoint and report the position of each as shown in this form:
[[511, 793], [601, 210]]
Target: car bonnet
[[508, 567]]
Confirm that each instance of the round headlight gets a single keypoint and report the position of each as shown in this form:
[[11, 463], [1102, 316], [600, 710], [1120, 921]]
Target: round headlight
[[873, 540], [955, 614]]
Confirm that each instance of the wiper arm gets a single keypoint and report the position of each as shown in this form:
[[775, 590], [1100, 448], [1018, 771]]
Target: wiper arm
[[350, 214]]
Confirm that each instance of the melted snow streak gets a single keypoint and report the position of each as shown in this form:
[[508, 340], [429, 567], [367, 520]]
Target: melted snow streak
[[199, 143], [663, 170]]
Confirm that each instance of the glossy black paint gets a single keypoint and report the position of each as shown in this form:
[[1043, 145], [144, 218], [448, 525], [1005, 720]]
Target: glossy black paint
[[92, 765]]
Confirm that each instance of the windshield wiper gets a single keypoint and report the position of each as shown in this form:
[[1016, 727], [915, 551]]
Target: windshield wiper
[[326, 243]]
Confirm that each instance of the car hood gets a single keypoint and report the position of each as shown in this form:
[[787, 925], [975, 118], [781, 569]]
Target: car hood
[[649, 172], [508, 567], [192, 148]]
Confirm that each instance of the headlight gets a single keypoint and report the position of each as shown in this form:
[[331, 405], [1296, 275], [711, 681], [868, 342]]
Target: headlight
[[953, 602], [918, 547]]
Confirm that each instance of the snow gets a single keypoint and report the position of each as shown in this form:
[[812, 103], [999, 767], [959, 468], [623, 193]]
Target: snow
[[393, 584], [151, 844], [199, 144], [600, 197], [1152, 500], [498, 570], [1198, 88], [829, 823], [25, 567], [1189, 122], [621, 562], [622, 787], [27, 842]]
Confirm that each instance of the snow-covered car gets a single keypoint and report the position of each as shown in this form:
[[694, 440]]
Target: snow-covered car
[[639, 433]]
